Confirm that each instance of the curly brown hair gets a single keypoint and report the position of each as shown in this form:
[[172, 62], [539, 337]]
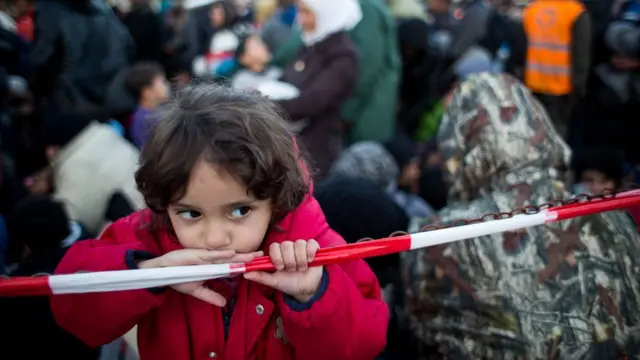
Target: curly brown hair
[[239, 132]]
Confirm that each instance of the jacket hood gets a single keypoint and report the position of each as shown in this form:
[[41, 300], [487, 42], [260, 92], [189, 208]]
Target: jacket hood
[[495, 134]]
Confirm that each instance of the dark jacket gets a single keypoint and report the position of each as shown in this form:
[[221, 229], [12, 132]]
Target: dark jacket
[[14, 53], [147, 30], [197, 32], [581, 53], [30, 318], [79, 46], [325, 74]]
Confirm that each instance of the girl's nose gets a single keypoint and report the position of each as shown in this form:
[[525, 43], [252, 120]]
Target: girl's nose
[[217, 237]]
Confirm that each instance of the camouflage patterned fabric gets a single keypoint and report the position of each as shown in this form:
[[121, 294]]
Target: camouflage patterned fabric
[[563, 291]]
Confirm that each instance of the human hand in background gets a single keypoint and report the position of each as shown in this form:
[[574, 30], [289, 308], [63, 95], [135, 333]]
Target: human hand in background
[[625, 63]]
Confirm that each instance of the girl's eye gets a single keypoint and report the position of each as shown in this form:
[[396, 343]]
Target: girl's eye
[[240, 211], [189, 214]]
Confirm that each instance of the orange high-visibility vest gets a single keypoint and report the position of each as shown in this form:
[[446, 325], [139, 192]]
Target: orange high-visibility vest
[[549, 27]]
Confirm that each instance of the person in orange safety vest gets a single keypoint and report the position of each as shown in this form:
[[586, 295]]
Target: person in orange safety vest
[[558, 55]]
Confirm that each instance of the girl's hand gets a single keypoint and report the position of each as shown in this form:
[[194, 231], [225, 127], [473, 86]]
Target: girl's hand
[[293, 276], [187, 257]]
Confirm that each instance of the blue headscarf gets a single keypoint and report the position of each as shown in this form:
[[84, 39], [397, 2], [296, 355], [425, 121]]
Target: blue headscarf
[[288, 15]]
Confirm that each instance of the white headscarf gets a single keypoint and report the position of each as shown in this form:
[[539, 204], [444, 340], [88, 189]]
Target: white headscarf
[[332, 16]]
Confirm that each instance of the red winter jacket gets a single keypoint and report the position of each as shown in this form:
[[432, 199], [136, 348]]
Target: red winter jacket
[[349, 320]]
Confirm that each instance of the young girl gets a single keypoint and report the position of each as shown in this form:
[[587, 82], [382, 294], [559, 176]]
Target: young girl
[[223, 182]]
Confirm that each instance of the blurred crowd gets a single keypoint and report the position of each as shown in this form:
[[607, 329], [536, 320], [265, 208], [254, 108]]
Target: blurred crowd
[[411, 113]]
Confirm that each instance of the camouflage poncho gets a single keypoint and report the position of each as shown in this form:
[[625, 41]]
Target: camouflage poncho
[[564, 291]]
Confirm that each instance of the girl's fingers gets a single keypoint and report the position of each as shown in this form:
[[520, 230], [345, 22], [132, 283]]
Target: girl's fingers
[[243, 258], [288, 255], [264, 278], [209, 296], [275, 253], [209, 256], [312, 248], [300, 252], [229, 256]]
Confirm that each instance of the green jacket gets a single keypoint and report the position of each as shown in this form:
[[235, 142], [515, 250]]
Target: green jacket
[[371, 111]]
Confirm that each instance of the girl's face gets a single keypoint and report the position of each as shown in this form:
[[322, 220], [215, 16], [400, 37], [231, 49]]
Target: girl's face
[[306, 17], [216, 213]]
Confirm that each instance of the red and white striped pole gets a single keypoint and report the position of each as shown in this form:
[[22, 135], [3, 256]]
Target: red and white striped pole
[[149, 278]]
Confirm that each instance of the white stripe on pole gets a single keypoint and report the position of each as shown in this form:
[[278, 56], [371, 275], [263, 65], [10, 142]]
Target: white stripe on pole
[[443, 236], [135, 279]]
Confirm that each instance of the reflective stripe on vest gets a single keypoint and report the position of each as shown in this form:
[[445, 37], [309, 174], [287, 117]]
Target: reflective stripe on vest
[[549, 27]]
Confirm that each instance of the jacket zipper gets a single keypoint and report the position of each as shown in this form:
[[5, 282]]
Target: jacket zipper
[[226, 317]]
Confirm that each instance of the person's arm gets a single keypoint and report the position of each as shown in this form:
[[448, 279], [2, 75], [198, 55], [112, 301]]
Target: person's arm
[[191, 38], [100, 318], [347, 318], [327, 88], [43, 61], [375, 38], [471, 29], [581, 53], [4, 88]]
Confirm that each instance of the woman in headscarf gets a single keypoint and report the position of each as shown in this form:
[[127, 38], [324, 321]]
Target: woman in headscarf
[[569, 290], [325, 72]]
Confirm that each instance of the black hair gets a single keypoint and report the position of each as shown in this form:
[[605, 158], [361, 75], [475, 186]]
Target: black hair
[[241, 132], [142, 75], [61, 128], [403, 150], [607, 161]]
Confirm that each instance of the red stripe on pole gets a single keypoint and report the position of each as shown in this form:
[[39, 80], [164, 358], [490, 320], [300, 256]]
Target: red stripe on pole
[[594, 207], [25, 286]]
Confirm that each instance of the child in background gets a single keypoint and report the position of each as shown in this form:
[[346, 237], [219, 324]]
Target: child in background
[[147, 82], [600, 170], [224, 181], [597, 170]]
